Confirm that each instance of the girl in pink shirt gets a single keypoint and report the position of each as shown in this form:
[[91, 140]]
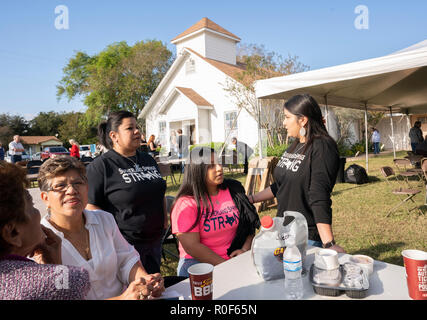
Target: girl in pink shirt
[[207, 212]]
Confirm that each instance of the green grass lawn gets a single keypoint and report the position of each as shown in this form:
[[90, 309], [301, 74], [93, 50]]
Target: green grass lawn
[[360, 224]]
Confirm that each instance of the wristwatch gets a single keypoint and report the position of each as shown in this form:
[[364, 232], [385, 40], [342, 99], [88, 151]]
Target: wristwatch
[[328, 244]]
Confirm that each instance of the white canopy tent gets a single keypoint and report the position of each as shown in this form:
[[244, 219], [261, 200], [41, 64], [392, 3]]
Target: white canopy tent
[[394, 83]]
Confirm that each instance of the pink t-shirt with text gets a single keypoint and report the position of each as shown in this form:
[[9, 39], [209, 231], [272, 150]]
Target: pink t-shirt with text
[[217, 232]]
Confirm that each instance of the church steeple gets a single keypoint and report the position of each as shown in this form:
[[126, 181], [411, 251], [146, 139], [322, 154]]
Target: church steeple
[[210, 40]]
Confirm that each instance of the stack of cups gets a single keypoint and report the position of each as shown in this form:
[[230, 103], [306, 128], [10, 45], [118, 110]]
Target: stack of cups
[[326, 259], [416, 273]]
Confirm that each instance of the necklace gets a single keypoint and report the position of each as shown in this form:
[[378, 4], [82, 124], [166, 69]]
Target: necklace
[[134, 163], [296, 151], [85, 247], [215, 196]]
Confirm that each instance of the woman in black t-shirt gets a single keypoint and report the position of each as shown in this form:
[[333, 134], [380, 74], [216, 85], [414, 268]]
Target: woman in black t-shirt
[[144, 146], [128, 183], [306, 173]]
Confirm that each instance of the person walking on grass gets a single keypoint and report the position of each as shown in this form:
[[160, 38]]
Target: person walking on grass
[[376, 140]]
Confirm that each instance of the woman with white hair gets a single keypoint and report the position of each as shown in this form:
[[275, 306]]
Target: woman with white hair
[[75, 149]]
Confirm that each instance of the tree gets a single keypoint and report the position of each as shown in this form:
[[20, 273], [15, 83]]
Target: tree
[[121, 77], [261, 64], [46, 124], [73, 127], [11, 125]]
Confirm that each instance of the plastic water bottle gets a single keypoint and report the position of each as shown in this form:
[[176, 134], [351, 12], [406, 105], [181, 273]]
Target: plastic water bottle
[[292, 266]]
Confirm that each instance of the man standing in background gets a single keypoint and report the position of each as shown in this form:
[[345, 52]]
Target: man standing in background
[[16, 149], [182, 147], [243, 151], [416, 135], [1, 151]]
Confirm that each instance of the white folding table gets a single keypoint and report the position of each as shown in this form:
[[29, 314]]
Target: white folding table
[[237, 279]]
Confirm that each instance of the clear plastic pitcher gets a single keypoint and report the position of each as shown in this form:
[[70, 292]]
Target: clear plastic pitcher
[[267, 250]]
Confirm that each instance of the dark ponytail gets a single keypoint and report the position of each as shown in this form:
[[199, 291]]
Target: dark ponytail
[[306, 105], [112, 124]]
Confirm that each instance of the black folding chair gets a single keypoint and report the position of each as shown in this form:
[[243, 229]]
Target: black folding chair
[[169, 237]]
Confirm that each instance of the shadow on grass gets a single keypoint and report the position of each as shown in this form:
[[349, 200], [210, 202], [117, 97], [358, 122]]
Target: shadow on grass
[[372, 179], [381, 248]]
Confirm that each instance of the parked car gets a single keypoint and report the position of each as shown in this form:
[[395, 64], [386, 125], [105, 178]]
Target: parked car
[[36, 156], [24, 156], [85, 151], [49, 152]]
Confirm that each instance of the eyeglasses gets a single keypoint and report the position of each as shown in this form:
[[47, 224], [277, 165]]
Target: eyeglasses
[[63, 187]]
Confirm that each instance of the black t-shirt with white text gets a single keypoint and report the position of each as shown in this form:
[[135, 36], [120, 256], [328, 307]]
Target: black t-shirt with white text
[[304, 180], [132, 189]]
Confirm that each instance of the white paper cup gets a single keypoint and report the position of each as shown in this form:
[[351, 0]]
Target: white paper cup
[[326, 259], [366, 262]]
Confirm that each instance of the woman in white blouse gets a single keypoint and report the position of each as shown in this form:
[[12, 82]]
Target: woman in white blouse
[[91, 239]]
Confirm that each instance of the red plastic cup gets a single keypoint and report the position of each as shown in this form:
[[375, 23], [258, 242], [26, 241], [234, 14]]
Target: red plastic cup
[[201, 281], [416, 273]]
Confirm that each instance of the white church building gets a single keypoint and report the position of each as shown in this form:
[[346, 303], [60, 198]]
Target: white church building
[[192, 94]]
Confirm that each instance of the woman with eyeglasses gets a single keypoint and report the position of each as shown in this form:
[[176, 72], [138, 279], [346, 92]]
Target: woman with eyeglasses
[[91, 239], [128, 184], [22, 236]]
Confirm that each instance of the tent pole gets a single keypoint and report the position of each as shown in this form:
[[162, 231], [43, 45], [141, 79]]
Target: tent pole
[[392, 133], [327, 112], [366, 137], [259, 128]]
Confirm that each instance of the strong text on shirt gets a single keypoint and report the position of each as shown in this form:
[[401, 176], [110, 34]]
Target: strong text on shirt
[[139, 174], [291, 161]]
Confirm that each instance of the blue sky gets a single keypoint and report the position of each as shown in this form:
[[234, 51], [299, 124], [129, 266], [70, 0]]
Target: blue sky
[[321, 33]]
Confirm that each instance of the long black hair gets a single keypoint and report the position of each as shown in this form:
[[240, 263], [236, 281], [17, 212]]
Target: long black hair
[[194, 182], [305, 105], [113, 122]]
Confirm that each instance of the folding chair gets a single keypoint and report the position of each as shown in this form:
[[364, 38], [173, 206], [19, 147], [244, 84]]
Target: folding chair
[[165, 171], [406, 171], [34, 163], [405, 194], [33, 167], [424, 169], [169, 237]]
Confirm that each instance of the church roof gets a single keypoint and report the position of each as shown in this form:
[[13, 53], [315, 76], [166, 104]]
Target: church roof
[[194, 96], [208, 24], [230, 70]]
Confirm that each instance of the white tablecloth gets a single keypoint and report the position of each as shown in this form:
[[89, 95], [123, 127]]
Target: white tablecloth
[[237, 279]]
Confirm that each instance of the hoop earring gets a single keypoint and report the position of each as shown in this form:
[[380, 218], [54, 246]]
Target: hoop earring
[[302, 132]]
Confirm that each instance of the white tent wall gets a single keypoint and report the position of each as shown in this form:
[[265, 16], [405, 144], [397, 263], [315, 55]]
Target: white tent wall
[[331, 122], [401, 128]]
